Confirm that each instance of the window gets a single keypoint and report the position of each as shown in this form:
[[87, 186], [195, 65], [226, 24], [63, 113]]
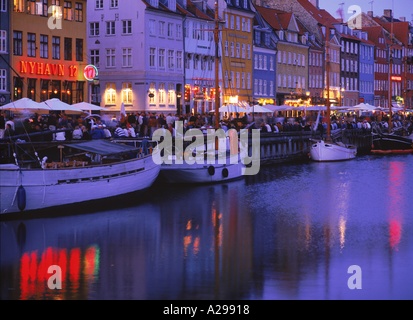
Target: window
[[171, 93], [127, 27], [31, 88], [18, 6], [179, 60], [170, 30], [204, 63], [162, 28], [161, 59], [55, 47], [170, 59], [18, 88], [196, 61], [34, 7], [110, 58], [94, 57], [152, 52], [152, 30], [127, 92], [44, 46], [110, 28], [79, 49], [178, 31], [3, 78], [113, 3], [68, 48], [94, 29], [3, 41], [257, 37], [44, 87], [110, 95], [127, 57], [79, 12], [31, 6], [162, 93], [31, 44], [187, 60], [98, 4], [67, 11], [3, 5]]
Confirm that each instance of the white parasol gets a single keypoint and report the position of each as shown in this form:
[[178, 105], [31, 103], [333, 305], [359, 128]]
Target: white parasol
[[259, 109], [25, 105], [86, 106], [58, 105]]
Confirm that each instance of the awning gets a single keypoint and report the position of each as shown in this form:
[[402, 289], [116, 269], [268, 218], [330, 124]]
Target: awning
[[102, 147]]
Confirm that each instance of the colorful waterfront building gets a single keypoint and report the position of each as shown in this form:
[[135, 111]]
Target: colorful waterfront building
[[48, 50]]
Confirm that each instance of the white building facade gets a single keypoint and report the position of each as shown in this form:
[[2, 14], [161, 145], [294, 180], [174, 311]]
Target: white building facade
[[138, 50]]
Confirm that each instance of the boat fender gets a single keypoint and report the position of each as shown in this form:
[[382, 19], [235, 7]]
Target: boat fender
[[211, 170], [225, 172], [21, 198]]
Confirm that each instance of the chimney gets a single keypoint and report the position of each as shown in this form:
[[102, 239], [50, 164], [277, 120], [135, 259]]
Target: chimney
[[402, 19], [388, 13], [370, 14]]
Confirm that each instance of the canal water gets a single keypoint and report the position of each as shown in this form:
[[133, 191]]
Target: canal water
[[319, 231]]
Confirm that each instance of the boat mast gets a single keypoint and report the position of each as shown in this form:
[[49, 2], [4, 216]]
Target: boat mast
[[216, 40], [390, 72], [327, 46]]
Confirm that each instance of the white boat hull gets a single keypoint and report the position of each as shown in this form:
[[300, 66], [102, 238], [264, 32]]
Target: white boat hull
[[45, 188], [322, 151], [202, 173]]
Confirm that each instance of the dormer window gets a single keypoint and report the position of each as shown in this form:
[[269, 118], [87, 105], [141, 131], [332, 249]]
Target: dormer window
[[281, 34]]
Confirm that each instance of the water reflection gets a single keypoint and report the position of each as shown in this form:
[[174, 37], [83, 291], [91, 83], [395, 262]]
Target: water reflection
[[290, 232]]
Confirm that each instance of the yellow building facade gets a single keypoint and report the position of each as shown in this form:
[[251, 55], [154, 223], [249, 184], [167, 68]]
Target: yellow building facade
[[237, 55]]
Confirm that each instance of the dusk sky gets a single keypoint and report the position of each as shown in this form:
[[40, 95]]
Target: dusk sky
[[401, 8]]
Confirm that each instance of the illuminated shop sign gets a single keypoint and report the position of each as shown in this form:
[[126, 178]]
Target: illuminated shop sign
[[396, 78], [50, 69], [90, 72]]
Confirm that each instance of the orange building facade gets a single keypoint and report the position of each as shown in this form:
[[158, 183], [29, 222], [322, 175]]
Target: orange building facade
[[48, 50]]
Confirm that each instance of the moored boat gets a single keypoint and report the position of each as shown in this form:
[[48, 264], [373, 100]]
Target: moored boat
[[81, 172], [203, 173], [386, 143], [338, 151]]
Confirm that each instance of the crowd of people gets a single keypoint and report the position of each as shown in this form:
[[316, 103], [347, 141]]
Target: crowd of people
[[60, 126]]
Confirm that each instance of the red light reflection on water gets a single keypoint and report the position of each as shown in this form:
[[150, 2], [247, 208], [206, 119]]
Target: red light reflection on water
[[34, 274], [397, 173]]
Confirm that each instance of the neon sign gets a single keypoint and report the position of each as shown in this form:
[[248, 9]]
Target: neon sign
[[90, 72], [50, 69]]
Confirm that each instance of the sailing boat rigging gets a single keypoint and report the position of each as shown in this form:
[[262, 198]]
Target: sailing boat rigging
[[328, 150], [206, 172]]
